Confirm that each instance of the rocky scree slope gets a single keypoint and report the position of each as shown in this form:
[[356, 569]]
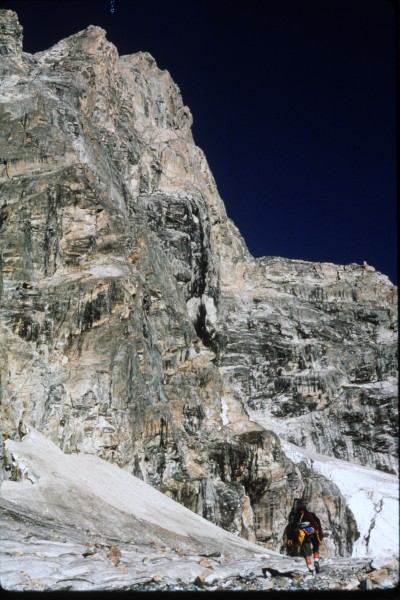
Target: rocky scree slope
[[136, 326], [79, 523]]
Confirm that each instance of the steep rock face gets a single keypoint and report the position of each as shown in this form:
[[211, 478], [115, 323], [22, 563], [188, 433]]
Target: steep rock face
[[314, 352], [135, 324]]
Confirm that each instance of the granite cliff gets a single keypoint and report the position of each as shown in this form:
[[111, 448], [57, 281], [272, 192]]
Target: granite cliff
[[137, 327]]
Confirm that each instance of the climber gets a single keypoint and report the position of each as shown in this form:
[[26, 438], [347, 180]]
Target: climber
[[305, 528]]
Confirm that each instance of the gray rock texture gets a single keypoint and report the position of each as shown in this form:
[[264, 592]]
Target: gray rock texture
[[136, 326]]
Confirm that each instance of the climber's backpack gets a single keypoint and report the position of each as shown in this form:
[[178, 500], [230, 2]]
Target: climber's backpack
[[306, 526], [313, 521]]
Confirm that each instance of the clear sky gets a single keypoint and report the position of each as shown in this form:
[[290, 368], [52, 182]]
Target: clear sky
[[294, 105]]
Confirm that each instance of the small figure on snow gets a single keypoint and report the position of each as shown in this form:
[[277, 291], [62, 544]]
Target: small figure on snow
[[305, 530]]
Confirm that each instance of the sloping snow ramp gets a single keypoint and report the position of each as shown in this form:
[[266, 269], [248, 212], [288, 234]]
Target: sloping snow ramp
[[93, 495]]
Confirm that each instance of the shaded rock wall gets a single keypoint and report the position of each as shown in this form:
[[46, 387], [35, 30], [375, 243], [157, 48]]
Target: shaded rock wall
[[315, 354]]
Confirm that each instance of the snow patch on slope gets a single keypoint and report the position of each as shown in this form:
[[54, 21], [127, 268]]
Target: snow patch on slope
[[62, 482]]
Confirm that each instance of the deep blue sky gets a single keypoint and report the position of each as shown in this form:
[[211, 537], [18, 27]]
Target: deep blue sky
[[294, 105]]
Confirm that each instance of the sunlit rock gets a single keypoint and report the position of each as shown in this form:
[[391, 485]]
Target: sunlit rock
[[136, 326]]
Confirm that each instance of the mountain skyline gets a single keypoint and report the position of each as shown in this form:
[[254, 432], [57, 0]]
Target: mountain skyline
[[293, 104], [142, 345]]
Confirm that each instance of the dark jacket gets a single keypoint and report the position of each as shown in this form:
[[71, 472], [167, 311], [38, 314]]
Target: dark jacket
[[302, 516]]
